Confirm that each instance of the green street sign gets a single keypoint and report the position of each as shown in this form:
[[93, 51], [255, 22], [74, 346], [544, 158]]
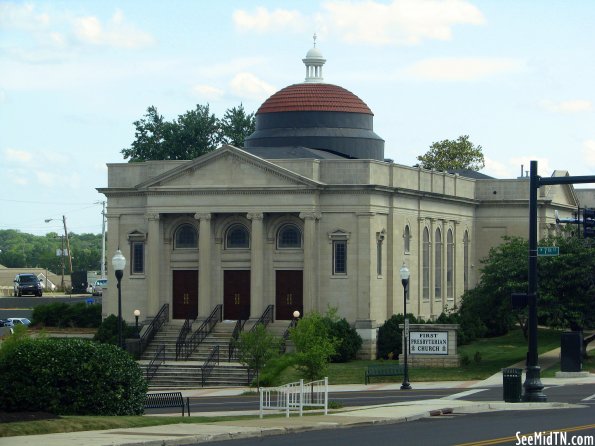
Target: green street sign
[[548, 251]]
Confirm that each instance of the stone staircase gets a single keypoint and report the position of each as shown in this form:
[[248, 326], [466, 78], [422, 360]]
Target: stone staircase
[[187, 373]]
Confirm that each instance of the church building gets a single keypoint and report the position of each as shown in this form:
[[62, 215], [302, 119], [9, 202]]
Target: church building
[[307, 216]]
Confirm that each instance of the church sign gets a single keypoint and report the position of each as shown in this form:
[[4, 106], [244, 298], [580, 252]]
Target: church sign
[[428, 342]]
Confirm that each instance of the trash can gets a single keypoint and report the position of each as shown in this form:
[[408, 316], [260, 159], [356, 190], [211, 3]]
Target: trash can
[[511, 385]]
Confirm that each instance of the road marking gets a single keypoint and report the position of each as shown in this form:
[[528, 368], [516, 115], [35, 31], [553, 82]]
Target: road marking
[[592, 397], [456, 396], [503, 440]]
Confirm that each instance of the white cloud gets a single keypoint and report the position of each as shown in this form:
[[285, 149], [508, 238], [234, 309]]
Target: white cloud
[[572, 106], [496, 169], [247, 85], [20, 156], [207, 92], [46, 178], [462, 69], [400, 22], [543, 165], [115, 33], [22, 16], [262, 20], [589, 152]]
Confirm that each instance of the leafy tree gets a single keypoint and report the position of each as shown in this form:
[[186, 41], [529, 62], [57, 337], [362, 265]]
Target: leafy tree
[[453, 154], [314, 345], [348, 341], [191, 135], [256, 348], [236, 125], [389, 342], [566, 286]]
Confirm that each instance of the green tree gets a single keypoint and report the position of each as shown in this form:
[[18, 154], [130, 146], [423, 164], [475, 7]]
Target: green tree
[[566, 285], [314, 345], [453, 154], [191, 135], [256, 348], [236, 125]]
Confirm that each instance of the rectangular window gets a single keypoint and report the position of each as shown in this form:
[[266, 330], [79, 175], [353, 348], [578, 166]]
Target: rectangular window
[[379, 257], [138, 258], [339, 257]]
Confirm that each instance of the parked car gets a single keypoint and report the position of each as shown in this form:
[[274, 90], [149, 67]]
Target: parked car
[[100, 284], [18, 320], [27, 283], [4, 323]]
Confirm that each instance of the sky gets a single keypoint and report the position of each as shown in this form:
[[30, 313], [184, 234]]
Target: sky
[[517, 76]]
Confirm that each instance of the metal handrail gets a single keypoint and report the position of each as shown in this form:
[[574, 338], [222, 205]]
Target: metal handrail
[[203, 331], [266, 317], [154, 364], [153, 328], [182, 337], [231, 349], [208, 366], [285, 337]]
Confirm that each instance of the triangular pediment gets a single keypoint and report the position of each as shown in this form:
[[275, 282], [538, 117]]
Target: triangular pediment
[[228, 167], [562, 193]]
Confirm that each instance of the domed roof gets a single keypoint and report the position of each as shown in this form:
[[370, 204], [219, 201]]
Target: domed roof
[[314, 53], [314, 97]]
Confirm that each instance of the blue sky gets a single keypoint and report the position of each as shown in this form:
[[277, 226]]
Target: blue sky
[[517, 76]]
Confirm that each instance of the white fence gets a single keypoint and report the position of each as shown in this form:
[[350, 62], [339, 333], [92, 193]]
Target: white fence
[[294, 397]]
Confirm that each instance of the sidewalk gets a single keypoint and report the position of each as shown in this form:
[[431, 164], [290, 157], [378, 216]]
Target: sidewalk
[[255, 427]]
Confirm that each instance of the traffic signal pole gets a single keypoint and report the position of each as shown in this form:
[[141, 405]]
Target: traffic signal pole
[[533, 386]]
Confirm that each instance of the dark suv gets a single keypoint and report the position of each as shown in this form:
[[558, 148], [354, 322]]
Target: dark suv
[[27, 284]]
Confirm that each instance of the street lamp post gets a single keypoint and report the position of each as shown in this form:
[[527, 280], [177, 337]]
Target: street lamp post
[[404, 271], [136, 315], [119, 263]]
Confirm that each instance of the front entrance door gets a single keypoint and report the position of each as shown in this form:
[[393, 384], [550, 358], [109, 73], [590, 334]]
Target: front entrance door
[[185, 294], [236, 294], [289, 294]]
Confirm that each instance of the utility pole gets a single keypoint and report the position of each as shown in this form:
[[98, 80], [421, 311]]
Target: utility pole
[[67, 244], [62, 257]]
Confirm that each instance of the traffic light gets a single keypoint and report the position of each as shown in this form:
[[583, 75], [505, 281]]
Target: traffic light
[[589, 222]]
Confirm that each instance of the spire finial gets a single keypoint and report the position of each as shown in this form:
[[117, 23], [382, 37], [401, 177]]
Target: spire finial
[[314, 37]]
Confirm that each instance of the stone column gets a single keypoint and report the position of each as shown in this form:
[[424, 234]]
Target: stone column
[[110, 301], [257, 304], [310, 263], [153, 260], [205, 300]]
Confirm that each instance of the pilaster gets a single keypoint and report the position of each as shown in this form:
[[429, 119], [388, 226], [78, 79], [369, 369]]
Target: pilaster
[[153, 260], [205, 303], [257, 303]]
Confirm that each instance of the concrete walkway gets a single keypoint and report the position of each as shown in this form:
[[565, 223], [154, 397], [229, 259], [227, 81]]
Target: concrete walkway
[[255, 427]]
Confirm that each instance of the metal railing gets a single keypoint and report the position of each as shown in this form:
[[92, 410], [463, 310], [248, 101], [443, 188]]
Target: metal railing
[[157, 360], [182, 337], [266, 317], [209, 364], [203, 331], [285, 337], [231, 348], [153, 328], [295, 396]]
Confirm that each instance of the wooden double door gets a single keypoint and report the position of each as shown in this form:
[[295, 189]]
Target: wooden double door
[[236, 294], [185, 294], [289, 297]]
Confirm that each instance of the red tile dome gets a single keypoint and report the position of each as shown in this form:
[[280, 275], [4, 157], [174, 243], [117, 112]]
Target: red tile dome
[[314, 97]]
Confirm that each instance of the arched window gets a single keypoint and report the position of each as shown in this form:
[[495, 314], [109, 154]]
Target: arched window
[[426, 265], [289, 236], [438, 265], [186, 237], [237, 237], [466, 260], [406, 238], [450, 260]]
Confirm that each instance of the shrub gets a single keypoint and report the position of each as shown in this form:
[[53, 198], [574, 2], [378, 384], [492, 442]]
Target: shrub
[[108, 331], [348, 340], [269, 375], [390, 336], [71, 376], [60, 314]]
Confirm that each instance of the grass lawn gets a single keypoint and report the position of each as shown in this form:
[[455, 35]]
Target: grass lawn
[[89, 423], [496, 353]]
